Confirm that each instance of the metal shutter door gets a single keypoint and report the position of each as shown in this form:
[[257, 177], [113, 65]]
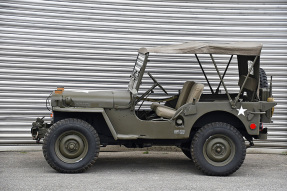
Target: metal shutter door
[[92, 45]]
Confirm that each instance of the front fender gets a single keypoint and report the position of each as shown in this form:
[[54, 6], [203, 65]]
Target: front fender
[[90, 110]]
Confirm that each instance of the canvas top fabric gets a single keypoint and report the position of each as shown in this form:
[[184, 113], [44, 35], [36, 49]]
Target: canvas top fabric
[[236, 48]]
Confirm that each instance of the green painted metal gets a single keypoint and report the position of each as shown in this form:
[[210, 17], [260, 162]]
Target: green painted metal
[[71, 146], [119, 107], [219, 150]]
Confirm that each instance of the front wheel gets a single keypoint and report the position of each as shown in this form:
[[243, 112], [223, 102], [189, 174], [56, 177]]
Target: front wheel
[[218, 149], [71, 146]]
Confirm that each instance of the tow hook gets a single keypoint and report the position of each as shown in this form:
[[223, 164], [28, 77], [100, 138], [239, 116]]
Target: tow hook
[[250, 140], [38, 129], [251, 143]]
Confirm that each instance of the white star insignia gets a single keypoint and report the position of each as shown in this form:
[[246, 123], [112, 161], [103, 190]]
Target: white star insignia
[[241, 111]]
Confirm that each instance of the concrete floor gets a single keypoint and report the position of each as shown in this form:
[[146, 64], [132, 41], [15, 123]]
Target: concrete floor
[[134, 170]]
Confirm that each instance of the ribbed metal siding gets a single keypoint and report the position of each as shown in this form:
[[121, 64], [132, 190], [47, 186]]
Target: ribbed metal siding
[[93, 45]]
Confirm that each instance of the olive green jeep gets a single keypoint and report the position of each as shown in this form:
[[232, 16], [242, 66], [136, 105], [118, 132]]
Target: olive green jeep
[[209, 126]]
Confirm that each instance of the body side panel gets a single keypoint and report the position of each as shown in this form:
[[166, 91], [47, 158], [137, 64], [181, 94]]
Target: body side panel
[[126, 122]]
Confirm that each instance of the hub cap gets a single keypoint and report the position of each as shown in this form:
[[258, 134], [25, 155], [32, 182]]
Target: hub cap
[[71, 147], [218, 150]]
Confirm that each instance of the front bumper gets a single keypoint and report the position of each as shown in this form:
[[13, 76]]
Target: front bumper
[[39, 129]]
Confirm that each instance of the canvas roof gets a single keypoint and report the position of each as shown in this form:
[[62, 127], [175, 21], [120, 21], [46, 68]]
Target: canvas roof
[[236, 48]]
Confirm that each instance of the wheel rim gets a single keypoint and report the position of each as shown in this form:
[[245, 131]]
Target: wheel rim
[[219, 150], [71, 147]]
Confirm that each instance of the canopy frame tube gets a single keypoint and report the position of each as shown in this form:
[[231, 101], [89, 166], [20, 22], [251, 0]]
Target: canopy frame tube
[[217, 89], [221, 80], [204, 74]]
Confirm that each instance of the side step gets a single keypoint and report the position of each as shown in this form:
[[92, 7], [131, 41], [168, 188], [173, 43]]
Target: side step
[[127, 137]]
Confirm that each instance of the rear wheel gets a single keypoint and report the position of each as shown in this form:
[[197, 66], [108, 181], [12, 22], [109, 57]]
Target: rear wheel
[[71, 146], [218, 149]]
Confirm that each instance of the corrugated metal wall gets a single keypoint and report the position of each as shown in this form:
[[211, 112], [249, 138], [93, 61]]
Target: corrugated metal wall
[[93, 45]]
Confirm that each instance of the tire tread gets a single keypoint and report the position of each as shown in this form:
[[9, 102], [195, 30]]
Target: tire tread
[[50, 132], [200, 132], [263, 78]]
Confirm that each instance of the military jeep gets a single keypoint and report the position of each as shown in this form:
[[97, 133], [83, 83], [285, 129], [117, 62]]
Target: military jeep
[[210, 127]]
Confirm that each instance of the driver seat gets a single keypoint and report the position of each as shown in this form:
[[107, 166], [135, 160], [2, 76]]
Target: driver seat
[[190, 92]]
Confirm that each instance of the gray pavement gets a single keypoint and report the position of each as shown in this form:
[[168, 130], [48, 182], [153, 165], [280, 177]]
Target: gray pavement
[[134, 170]]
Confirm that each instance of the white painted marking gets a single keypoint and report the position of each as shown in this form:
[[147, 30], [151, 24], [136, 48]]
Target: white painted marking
[[241, 111]]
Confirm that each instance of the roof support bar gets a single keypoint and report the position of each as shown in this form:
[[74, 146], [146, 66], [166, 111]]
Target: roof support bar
[[249, 71], [221, 79], [204, 74], [217, 89]]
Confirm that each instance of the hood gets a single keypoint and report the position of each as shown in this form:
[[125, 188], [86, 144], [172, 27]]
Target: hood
[[91, 99]]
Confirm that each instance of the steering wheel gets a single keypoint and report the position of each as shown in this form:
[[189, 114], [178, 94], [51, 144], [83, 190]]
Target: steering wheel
[[155, 81]]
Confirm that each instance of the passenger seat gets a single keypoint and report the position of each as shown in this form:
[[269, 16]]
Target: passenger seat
[[190, 91]]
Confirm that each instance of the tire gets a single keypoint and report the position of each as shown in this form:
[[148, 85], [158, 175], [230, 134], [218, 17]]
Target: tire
[[185, 148], [263, 78], [71, 146], [218, 149]]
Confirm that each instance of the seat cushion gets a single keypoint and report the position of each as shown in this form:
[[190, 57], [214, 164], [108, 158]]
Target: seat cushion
[[195, 93], [154, 105], [184, 93], [163, 111], [191, 91]]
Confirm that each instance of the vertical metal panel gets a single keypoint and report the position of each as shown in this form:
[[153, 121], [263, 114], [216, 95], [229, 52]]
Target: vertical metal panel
[[93, 45]]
